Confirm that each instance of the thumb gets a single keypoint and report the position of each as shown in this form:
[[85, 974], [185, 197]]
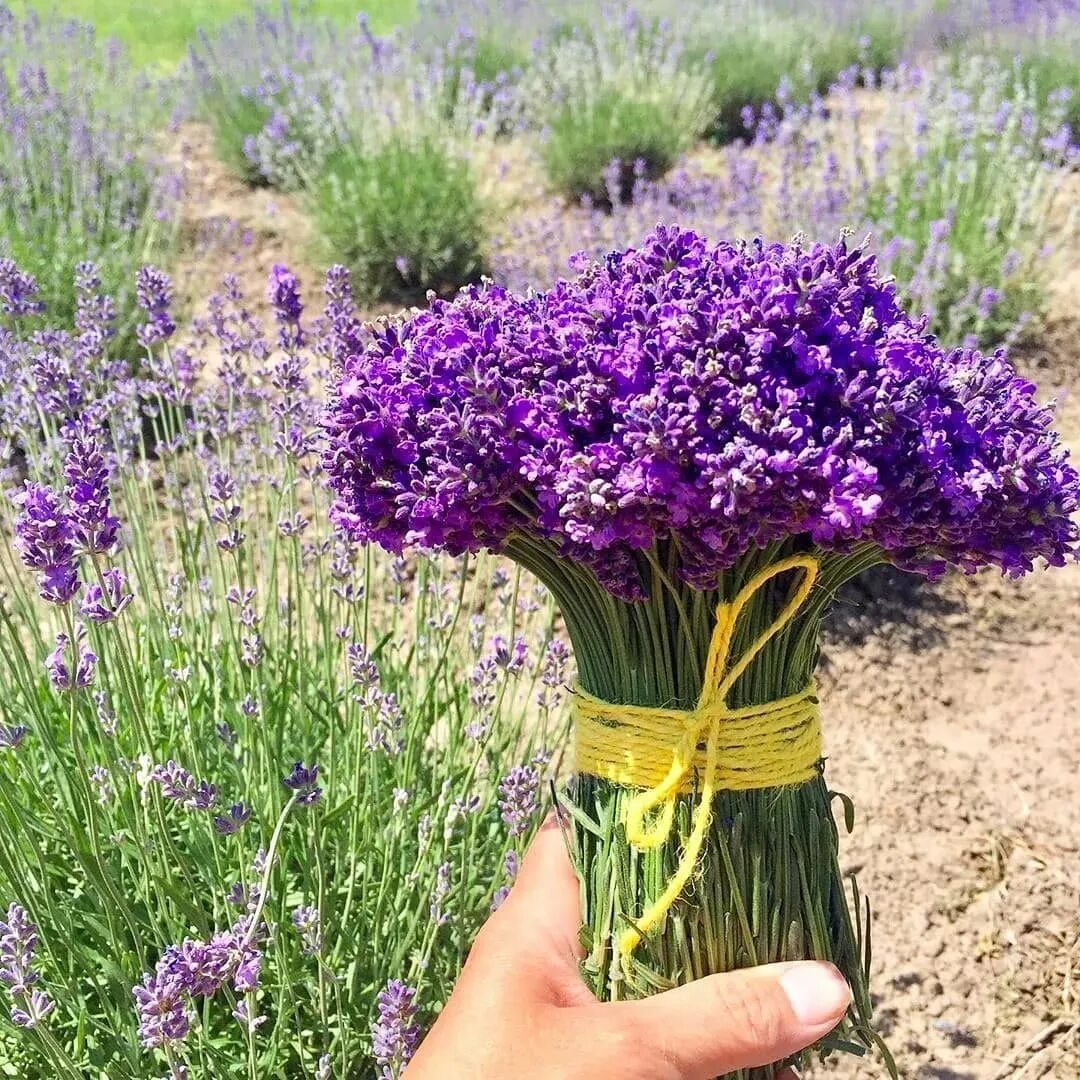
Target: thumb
[[739, 1020]]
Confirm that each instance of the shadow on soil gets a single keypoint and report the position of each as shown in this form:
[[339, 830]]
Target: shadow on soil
[[886, 601]]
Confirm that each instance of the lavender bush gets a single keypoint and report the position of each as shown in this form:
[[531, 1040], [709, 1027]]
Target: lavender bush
[[81, 176], [613, 93], [251, 812], [752, 52], [955, 182], [252, 77]]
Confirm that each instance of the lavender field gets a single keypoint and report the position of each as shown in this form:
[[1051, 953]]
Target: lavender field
[[262, 783]]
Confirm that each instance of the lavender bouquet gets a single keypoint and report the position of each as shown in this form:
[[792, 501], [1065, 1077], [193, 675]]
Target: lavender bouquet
[[694, 446]]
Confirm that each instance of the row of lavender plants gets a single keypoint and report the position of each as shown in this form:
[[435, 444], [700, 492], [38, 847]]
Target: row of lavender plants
[[260, 787], [960, 177], [84, 169], [432, 157]]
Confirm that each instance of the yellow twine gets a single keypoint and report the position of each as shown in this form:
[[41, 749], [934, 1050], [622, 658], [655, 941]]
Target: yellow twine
[[770, 745]]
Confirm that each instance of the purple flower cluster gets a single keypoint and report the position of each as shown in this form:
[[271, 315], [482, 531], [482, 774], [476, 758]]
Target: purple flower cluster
[[231, 823], [720, 397], [45, 541], [106, 599], [76, 673], [305, 782], [178, 785], [52, 532], [306, 921], [283, 293], [519, 798], [153, 290], [18, 942], [191, 970], [395, 1035]]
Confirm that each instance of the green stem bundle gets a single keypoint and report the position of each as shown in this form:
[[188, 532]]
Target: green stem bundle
[[768, 886]]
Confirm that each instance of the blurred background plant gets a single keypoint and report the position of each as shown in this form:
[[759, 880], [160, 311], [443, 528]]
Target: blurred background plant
[[83, 174], [613, 93], [956, 182], [255, 77]]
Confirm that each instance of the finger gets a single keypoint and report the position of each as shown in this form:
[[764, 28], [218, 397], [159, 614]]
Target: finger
[[739, 1020], [547, 894], [544, 905]]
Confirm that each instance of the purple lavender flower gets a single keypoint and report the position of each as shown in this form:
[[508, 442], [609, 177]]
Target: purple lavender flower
[[18, 942], [237, 817], [510, 866], [36, 1006], [511, 658], [384, 728], [44, 535], [153, 290], [18, 291], [364, 671], [105, 601], [164, 1013], [67, 676], [11, 738], [284, 296], [179, 786], [93, 527], [713, 397], [306, 922], [191, 970], [519, 798], [304, 781], [395, 1034]]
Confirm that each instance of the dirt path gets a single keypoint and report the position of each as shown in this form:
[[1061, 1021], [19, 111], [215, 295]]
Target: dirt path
[[229, 227]]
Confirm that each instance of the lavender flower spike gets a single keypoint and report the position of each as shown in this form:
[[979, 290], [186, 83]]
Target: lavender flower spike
[[304, 781], [93, 527], [44, 538], [106, 600], [18, 942], [395, 1034], [153, 290], [284, 296], [519, 798], [76, 674]]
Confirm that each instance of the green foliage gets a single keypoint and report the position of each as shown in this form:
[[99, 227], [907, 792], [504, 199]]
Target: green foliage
[[1051, 70], [582, 143], [478, 69], [158, 32], [615, 94], [749, 64], [967, 211], [404, 215], [296, 665], [235, 118]]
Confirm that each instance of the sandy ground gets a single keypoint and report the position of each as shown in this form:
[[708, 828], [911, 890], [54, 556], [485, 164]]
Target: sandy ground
[[952, 718]]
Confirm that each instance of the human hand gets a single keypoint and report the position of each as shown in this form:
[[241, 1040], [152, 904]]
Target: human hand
[[521, 1011]]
